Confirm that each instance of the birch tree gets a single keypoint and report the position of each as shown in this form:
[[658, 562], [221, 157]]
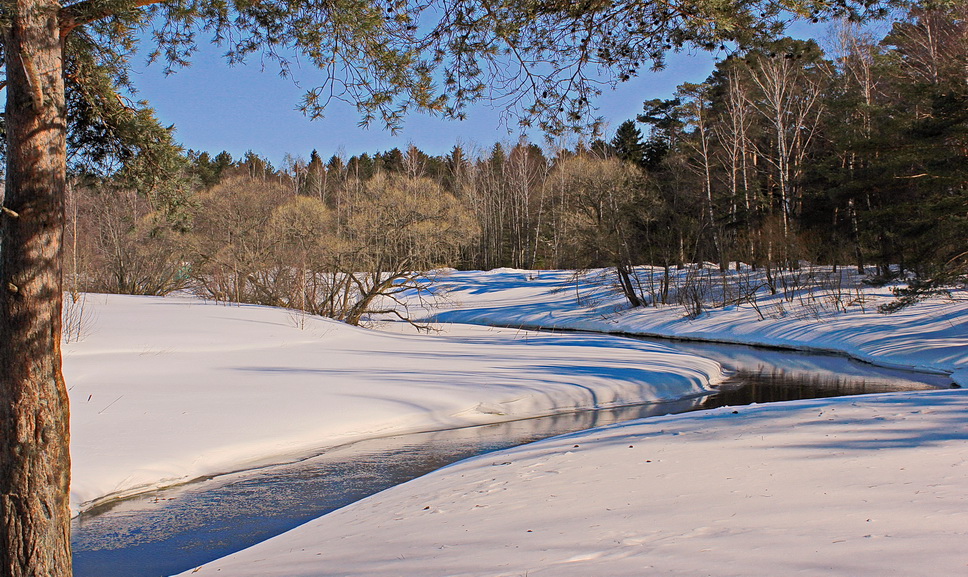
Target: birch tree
[[698, 111], [790, 77]]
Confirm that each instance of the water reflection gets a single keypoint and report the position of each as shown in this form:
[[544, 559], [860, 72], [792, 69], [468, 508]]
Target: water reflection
[[180, 528], [747, 387], [174, 530]]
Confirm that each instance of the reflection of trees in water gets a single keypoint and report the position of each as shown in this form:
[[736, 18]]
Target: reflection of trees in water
[[775, 385], [177, 529], [172, 530]]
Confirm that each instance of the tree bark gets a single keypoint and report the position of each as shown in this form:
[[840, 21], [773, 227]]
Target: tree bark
[[628, 289], [34, 413]]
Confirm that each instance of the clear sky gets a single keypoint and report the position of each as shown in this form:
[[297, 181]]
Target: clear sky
[[216, 107]]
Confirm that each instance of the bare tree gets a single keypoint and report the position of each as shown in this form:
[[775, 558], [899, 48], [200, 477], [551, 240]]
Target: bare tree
[[696, 103], [399, 228], [933, 43], [605, 198], [120, 244], [234, 256], [310, 249], [791, 77]]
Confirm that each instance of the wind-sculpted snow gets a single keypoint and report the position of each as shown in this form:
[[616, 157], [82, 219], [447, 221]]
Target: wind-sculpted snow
[[856, 487], [164, 390], [928, 336], [167, 389]]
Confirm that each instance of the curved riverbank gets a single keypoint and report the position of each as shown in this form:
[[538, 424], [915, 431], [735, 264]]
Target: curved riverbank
[[165, 390], [854, 487], [929, 336], [224, 375], [174, 530]]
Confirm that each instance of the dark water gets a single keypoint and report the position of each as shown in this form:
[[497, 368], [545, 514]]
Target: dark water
[[178, 529]]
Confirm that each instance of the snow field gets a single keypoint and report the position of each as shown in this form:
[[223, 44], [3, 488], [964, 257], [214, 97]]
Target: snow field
[[165, 390], [864, 486], [930, 336], [853, 487]]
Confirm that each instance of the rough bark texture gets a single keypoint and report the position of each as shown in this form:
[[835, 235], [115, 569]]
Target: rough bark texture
[[34, 431]]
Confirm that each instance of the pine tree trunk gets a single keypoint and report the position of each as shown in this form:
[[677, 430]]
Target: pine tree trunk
[[34, 431]]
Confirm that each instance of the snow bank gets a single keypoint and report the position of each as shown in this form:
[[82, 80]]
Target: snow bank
[[164, 390], [861, 486], [928, 336]]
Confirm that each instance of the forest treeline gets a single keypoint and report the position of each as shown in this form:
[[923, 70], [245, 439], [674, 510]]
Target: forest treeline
[[854, 156]]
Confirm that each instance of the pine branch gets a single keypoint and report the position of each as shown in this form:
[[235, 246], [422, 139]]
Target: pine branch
[[88, 11]]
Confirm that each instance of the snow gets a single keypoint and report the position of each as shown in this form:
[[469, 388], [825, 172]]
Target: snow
[[867, 486], [164, 390], [930, 336]]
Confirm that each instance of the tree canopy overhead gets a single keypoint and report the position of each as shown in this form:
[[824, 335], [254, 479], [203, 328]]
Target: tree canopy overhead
[[543, 61]]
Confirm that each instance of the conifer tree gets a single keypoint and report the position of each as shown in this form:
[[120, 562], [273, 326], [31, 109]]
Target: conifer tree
[[315, 185], [628, 144], [665, 126]]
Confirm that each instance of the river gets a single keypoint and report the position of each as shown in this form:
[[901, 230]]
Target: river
[[174, 530]]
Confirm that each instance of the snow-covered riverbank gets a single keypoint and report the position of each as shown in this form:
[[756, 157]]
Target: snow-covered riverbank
[[928, 336], [164, 390], [861, 486], [854, 487]]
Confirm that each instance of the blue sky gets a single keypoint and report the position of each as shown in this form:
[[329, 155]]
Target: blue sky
[[216, 107]]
